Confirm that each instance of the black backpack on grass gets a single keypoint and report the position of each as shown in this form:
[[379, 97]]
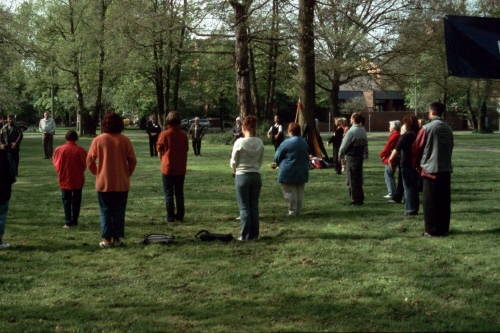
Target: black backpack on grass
[[207, 236]]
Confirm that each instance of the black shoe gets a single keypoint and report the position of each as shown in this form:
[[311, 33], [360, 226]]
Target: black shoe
[[170, 220], [356, 203]]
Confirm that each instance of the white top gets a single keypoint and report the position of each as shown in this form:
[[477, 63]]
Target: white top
[[247, 155]]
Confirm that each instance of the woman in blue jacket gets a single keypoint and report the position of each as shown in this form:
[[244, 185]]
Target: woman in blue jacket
[[293, 160]]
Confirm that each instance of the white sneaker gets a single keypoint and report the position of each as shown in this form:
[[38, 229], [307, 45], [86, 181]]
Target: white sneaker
[[388, 196], [4, 246], [240, 238], [238, 218]]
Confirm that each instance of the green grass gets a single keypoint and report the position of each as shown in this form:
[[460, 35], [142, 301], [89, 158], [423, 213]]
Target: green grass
[[334, 268]]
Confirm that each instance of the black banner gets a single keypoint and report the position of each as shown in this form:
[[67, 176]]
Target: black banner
[[472, 46]]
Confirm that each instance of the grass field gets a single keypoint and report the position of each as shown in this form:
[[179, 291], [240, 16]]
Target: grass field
[[334, 268]]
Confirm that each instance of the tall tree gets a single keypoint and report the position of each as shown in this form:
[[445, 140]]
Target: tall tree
[[306, 63], [241, 63]]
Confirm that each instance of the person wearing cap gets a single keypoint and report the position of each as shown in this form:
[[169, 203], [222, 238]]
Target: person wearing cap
[[237, 131], [385, 153]]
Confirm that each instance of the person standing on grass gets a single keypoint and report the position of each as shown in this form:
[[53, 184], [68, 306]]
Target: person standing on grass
[[11, 137], [197, 132], [353, 147], [432, 153], [293, 161], [47, 126], [7, 178], [246, 159], [173, 146], [409, 173], [153, 130], [336, 140], [70, 163], [115, 165], [385, 153], [237, 133], [275, 133]]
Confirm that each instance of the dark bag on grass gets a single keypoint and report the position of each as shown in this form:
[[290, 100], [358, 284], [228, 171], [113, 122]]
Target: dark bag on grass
[[204, 235], [157, 239]]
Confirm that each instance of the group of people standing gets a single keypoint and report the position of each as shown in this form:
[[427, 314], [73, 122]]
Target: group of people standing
[[423, 155]]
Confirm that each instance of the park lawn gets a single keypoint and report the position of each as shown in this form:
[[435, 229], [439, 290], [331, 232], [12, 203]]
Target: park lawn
[[334, 268]]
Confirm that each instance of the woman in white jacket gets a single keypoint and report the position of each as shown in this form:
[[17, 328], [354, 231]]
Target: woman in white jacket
[[246, 159]]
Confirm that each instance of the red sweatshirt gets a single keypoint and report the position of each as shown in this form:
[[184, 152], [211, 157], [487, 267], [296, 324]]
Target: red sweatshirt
[[69, 161]]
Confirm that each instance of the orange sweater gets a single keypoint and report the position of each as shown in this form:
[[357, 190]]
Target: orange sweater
[[173, 146], [116, 162]]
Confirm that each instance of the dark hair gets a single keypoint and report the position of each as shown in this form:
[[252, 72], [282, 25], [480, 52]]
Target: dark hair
[[437, 108], [173, 119], [112, 123], [250, 124], [10, 116], [357, 117], [294, 129], [411, 123], [71, 135]]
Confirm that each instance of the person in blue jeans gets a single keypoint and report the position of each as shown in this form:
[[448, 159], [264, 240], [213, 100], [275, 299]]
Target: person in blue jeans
[[246, 159]]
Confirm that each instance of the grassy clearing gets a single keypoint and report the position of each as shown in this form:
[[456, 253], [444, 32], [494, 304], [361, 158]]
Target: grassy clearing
[[334, 268]]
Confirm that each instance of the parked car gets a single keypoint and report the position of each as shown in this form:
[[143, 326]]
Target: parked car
[[185, 123]]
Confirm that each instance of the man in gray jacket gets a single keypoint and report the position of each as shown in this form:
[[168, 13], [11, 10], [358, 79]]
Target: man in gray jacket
[[432, 152], [353, 146]]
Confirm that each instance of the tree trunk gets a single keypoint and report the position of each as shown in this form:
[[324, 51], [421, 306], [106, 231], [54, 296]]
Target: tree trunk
[[271, 65], [100, 81], [254, 91], [306, 71], [241, 57], [178, 64]]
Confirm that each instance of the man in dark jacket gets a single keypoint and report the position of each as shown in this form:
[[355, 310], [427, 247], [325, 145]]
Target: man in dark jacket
[[11, 138], [7, 178]]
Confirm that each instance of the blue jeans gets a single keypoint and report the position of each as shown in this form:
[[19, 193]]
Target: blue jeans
[[4, 209], [389, 180], [72, 200], [174, 186], [112, 206], [248, 186], [410, 181]]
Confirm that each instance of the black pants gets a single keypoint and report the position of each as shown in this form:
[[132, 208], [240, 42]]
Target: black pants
[[15, 156], [152, 145], [354, 175], [197, 146], [48, 145], [436, 203], [398, 196]]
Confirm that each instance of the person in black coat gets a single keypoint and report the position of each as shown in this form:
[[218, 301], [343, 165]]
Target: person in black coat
[[153, 130]]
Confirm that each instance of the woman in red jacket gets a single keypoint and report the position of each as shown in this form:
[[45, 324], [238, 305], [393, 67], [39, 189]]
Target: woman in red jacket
[[173, 147], [394, 129]]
